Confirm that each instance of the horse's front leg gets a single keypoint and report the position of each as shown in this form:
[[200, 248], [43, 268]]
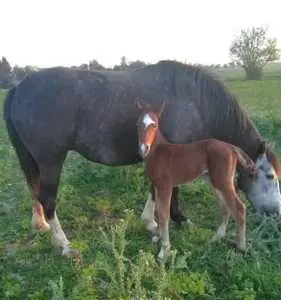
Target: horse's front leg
[[163, 202], [147, 215]]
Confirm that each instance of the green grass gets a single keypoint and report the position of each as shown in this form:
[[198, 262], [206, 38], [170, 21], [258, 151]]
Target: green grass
[[100, 207]]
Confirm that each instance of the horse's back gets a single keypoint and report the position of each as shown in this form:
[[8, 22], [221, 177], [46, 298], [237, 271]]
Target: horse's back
[[60, 109]]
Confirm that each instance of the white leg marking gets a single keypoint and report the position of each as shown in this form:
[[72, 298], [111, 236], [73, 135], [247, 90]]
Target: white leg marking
[[148, 214], [59, 237], [155, 238], [221, 231], [165, 242]]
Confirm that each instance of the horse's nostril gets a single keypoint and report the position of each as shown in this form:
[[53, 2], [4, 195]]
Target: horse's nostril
[[270, 176]]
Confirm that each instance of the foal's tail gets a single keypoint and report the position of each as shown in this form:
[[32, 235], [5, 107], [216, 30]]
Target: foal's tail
[[245, 161]]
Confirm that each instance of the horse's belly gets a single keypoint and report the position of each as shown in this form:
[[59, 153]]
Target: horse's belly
[[185, 177]]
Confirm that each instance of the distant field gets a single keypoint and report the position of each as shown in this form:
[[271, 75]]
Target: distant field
[[118, 257], [271, 70]]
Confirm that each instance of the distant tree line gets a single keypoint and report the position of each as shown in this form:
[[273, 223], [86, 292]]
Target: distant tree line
[[10, 76]]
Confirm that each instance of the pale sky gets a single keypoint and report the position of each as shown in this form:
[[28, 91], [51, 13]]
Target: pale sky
[[65, 32]]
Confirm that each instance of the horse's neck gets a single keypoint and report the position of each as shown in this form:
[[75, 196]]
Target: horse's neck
[[159, 140], [249, 143], [247, 138]]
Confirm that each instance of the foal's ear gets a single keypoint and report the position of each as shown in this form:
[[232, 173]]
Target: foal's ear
[[139, 105], [161, 109], [142, 105]]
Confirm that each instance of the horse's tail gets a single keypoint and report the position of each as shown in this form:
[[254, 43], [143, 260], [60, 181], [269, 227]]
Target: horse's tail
[[27, 162], [245, 161]]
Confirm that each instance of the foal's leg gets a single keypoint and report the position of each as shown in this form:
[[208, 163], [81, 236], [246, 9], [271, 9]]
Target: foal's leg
[[176, 213], [225, 213], [238, 211], [163, 201], [46, 195], [148, 212]]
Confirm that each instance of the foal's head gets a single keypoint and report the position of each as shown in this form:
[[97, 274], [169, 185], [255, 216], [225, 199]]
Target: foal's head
[[147, 126]]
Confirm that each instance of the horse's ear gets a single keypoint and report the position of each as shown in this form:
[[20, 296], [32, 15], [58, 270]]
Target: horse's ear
[[139, 105], [262, 148]]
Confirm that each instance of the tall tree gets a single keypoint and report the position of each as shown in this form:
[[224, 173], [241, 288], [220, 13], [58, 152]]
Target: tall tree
[[123, 63], [253, 50], [5, 73]]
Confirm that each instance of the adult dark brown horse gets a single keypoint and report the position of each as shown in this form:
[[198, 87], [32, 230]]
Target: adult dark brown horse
[[94, 113], [168, 165]]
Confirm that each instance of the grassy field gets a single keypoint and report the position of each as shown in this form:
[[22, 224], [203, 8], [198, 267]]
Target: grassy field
[[100, 207]]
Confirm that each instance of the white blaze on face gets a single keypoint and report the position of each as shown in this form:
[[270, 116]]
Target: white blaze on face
[[147, 120], [142, 148]]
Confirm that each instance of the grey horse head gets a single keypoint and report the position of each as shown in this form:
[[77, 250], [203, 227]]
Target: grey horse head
[[264, 191]]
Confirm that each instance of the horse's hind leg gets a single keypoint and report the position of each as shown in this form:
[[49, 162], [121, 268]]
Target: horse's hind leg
[[163, 202], [46, 195], [38, 216]]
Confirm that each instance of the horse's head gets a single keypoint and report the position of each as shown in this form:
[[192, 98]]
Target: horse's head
[[264, 192], [147, 126]]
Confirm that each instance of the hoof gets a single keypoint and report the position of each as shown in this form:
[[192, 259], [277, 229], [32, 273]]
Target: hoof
[[162, 255], [69, 252]]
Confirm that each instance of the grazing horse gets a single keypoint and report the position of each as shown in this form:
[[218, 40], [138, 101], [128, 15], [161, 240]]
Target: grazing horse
[[168, 165], [53, 111]]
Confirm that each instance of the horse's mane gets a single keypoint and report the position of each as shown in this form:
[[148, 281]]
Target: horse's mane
[[210, 93], [215, 103]]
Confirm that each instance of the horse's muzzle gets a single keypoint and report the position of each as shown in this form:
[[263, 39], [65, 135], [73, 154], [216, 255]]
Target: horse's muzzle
[[270, 210], [144, 150]]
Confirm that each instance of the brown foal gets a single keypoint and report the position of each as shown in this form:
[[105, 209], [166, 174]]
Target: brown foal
[[168, 165]]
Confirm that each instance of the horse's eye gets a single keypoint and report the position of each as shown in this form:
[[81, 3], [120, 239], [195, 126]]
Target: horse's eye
[[270, 176]]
